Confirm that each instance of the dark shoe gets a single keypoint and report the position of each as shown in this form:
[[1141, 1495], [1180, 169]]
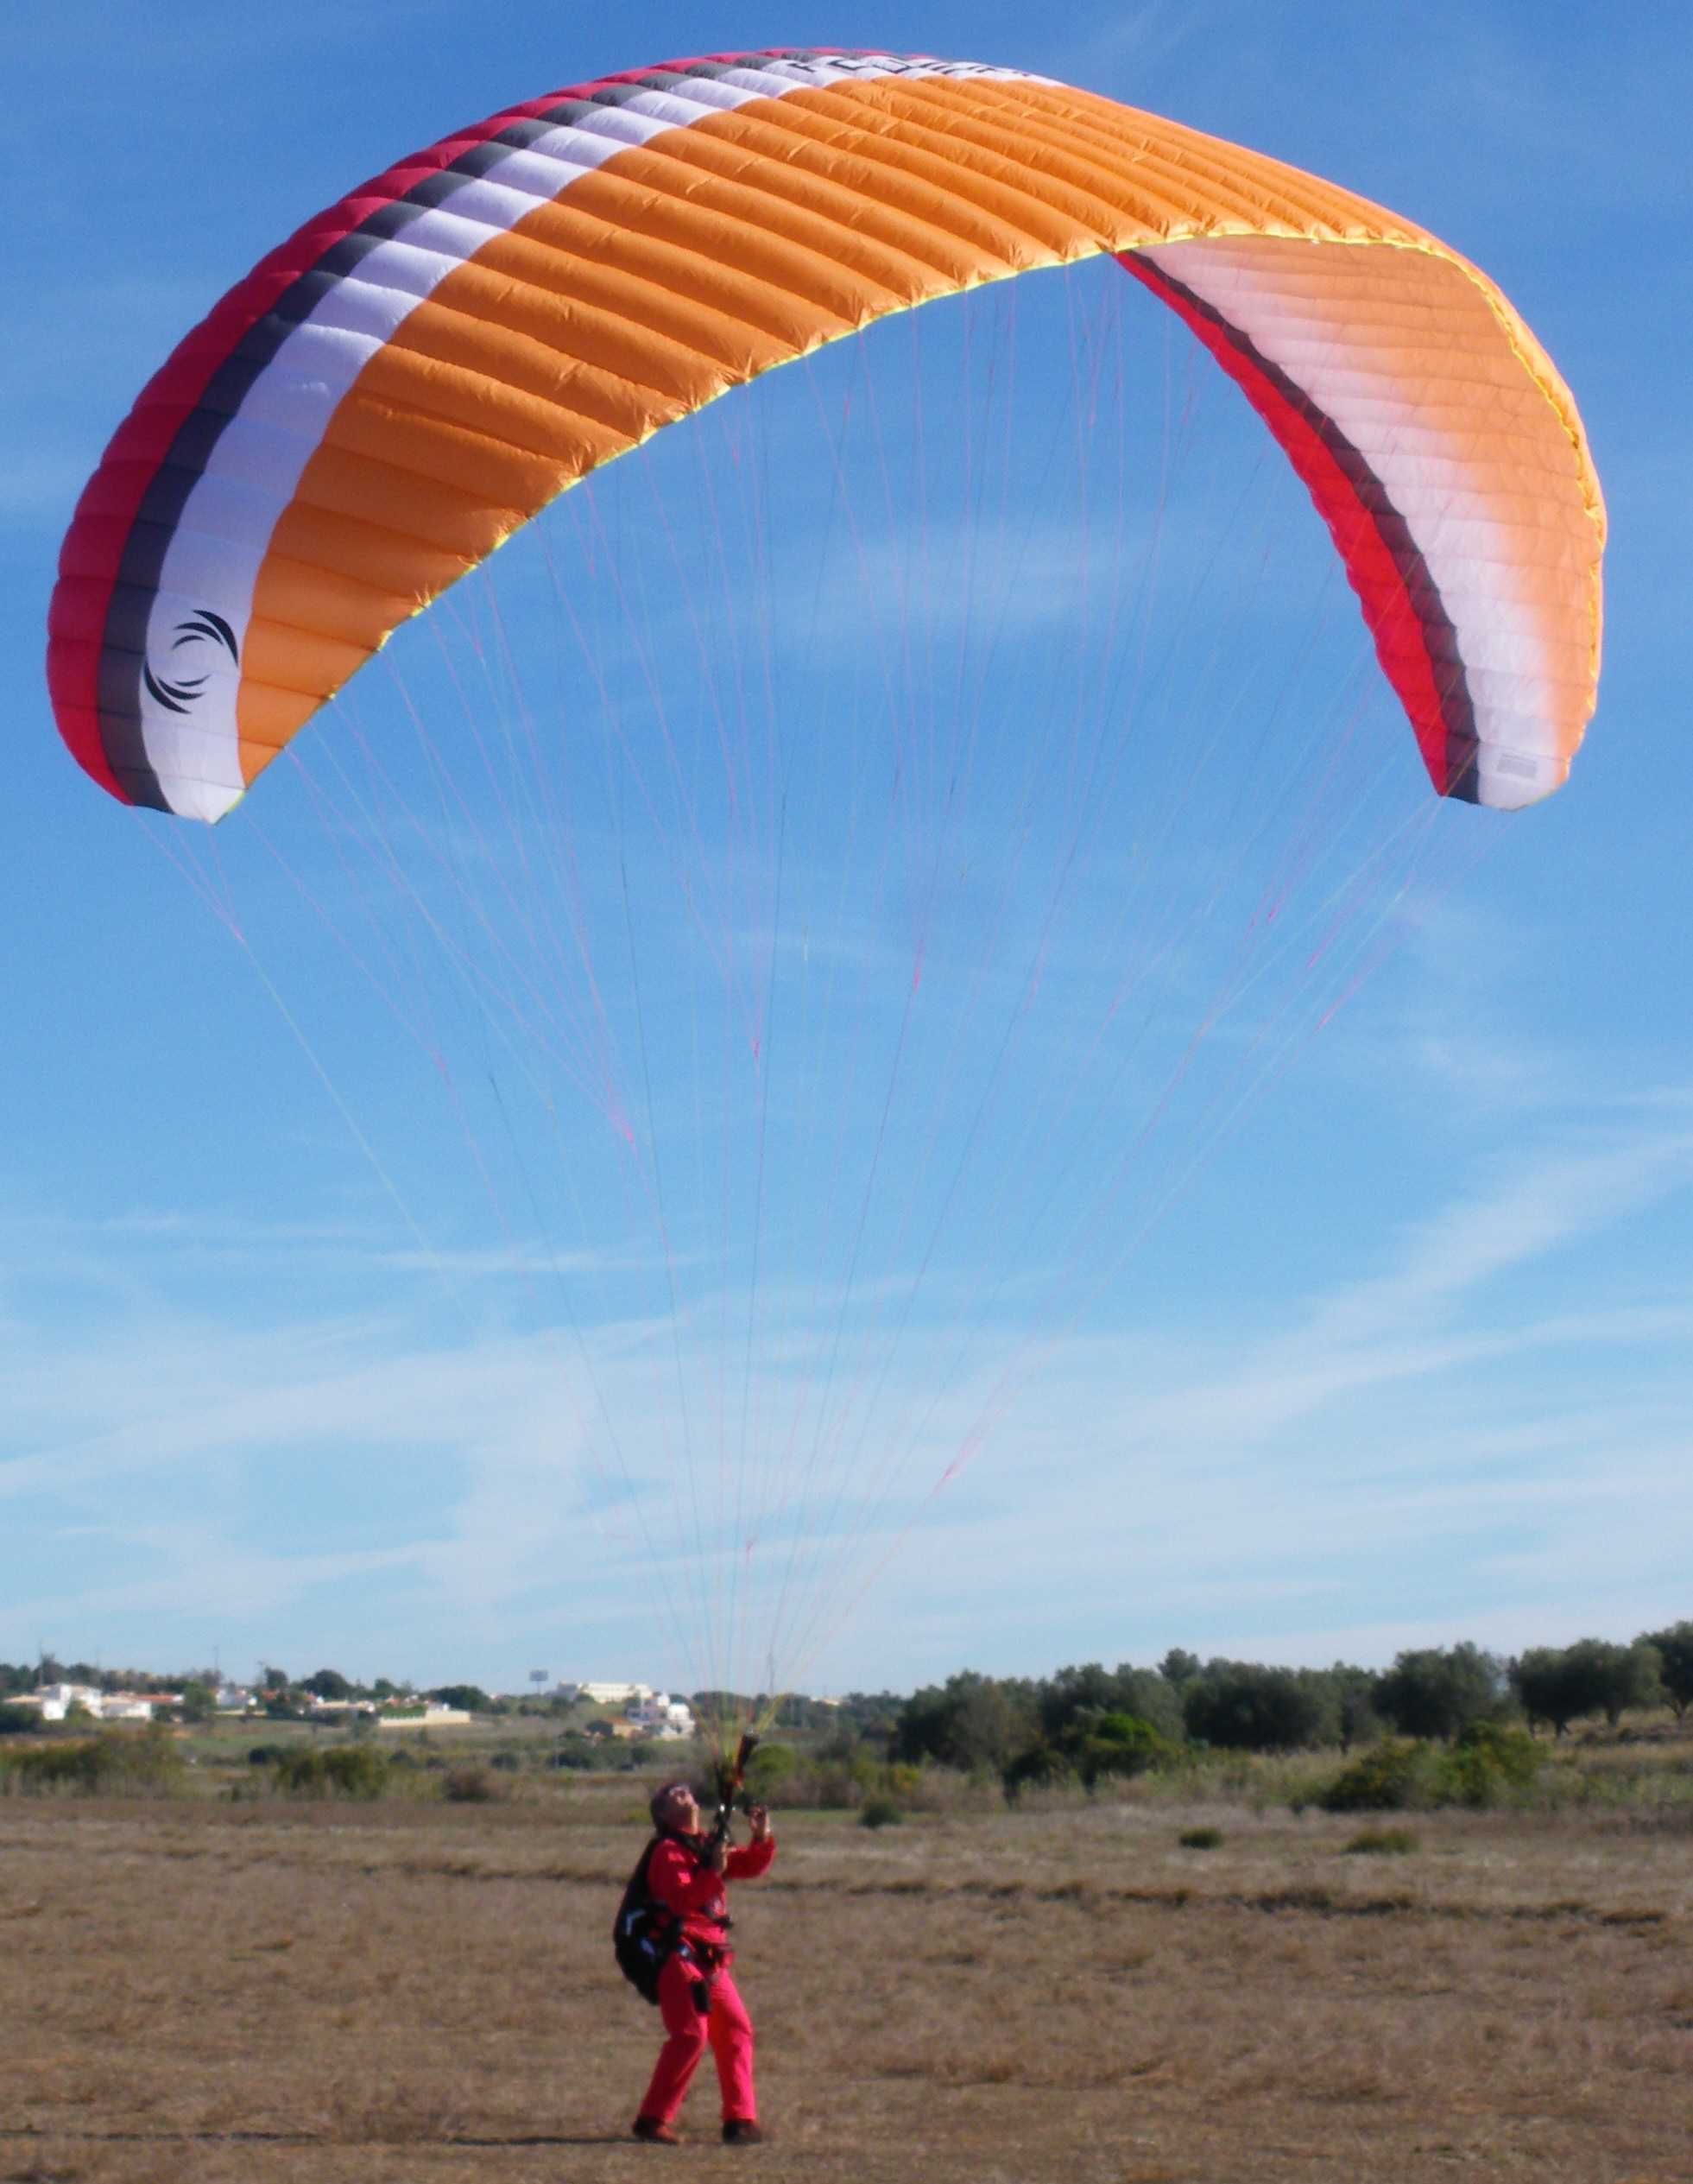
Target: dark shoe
[[743, 2132], [655, 2132]]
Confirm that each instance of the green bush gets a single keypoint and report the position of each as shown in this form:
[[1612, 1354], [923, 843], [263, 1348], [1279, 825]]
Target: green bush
[[1489, 1764], [300, 1774], [344, 1770], [1040, 1768], [644, 1752], [354, 1770], [1673, 1647], [1102, 1745], [1201, 1838], [769, 1768], [1392, 1777], [880, 1812]]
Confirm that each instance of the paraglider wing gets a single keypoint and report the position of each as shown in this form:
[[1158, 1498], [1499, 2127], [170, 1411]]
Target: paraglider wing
[[422, 368]]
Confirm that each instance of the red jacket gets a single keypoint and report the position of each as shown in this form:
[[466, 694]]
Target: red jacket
[[676, 1879]]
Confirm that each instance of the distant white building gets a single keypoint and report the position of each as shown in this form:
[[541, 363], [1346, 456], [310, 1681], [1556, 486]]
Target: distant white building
[[56, 1700], [426, 1716], [136, 1705], [659, 1715], [615, 1695], [233, 1699]]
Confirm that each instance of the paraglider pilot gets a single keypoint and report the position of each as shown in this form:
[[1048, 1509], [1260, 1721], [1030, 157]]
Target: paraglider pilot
[[686, 1869]]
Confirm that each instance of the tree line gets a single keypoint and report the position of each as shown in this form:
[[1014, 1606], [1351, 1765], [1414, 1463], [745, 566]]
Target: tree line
[[1090, 1720]]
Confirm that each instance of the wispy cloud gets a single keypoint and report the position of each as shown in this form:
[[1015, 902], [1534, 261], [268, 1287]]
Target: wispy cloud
[[1415, 1320], [141, 1251], [1143, 1485]]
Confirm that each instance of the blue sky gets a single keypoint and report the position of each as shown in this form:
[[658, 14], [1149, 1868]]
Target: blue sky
[[1408, 1360]]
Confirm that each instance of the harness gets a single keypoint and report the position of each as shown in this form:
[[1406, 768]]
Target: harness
[[647, 1934]]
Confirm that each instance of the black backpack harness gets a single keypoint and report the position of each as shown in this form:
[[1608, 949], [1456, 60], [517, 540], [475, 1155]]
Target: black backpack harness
[[647, 1934]]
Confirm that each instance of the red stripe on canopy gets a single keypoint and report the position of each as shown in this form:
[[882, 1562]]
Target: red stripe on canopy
[[1372, 568], [93, 553]]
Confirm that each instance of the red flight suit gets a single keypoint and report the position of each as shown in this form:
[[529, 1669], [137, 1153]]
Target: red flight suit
[[677, 1878]]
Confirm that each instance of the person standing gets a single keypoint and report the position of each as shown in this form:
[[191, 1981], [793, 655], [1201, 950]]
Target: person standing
[[698, 2001]]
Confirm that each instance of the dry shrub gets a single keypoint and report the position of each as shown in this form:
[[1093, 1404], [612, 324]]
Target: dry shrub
[[1382, 1842], [113, 1765], [472, 1786], [1662, 1819]]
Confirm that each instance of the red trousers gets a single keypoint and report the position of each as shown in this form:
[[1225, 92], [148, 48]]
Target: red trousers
[[728, 2027]]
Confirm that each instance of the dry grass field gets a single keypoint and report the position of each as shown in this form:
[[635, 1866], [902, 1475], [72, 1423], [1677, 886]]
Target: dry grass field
[[196, 1990]]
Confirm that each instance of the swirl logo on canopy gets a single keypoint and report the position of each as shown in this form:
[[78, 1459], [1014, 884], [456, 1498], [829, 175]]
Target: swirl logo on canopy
[[182, 690]]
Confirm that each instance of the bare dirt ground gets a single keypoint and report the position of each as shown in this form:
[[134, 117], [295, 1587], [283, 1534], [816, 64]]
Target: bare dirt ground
[[199, 1991]]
